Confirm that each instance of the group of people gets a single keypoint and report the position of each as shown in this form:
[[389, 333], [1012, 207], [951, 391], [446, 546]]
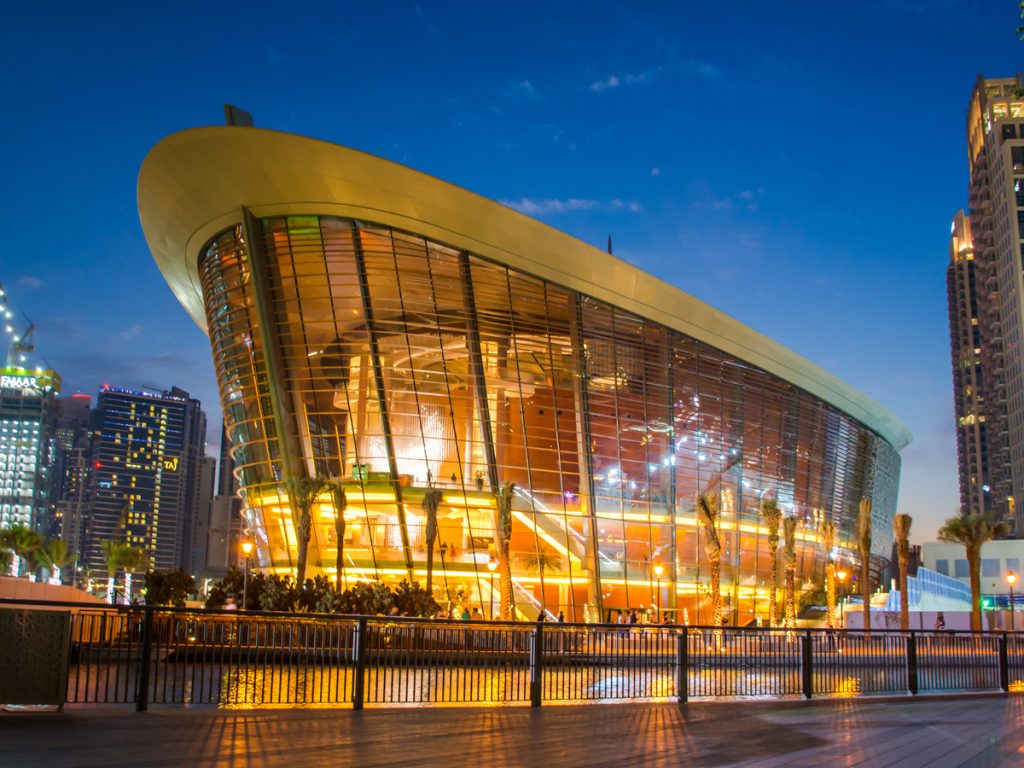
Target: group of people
[[464, 614]]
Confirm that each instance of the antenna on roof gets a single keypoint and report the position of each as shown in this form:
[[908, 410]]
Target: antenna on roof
[[609, 244], [237, 116]]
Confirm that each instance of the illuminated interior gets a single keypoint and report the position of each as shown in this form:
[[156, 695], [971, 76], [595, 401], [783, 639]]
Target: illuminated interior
[[409, 364]]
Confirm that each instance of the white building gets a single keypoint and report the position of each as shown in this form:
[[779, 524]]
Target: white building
[[998, 558]]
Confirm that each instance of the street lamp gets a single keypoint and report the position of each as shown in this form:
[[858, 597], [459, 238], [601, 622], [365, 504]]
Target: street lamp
[[659, 569], [1011, 579], [841, 575], [492, 566], [246, 550]]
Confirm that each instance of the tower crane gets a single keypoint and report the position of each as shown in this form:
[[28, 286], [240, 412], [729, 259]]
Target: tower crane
[[21, 344]]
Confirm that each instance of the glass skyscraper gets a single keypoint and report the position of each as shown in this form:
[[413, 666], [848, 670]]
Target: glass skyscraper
[[372, 324], [146, 453]]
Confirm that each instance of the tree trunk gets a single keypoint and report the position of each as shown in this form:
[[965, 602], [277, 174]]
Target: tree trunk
[[773, 583], [302, 542], [430, 566], [339, 533], [790, 596], [716, 595], [904, 597], [830, 595], [505, 580], [974, 564], [865, 588]]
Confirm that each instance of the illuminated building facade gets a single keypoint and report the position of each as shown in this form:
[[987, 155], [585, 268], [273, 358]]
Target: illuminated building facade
[[71, 467], [371, 323], [986, 301], [27, 421], [146, 454]]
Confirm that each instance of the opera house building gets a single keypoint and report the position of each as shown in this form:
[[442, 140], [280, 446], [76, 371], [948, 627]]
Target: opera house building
[[372, 323]]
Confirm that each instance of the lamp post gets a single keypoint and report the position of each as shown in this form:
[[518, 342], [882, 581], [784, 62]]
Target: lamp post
[[492, 566], [841, 576], [659, 569], [246, 551], [1011, 579]]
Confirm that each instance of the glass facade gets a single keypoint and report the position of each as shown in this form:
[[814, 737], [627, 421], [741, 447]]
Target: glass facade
[[406, 364]]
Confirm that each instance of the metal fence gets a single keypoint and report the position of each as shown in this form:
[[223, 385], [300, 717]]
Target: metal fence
[[143, 656]]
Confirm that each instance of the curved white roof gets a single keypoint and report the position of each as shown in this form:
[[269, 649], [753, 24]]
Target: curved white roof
[[193, 184]]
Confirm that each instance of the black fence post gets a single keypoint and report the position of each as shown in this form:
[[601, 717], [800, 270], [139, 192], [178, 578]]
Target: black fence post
[[912, 663], [682, 666], [536, 663], [359, 649], [142, 686], [1004, 664], [808, 666]]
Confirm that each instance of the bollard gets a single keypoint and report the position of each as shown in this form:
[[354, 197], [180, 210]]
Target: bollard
[[1004, 664], [142, 690], [808, 666], [536, 663], [682, 666], [912, 664], [359, 651]]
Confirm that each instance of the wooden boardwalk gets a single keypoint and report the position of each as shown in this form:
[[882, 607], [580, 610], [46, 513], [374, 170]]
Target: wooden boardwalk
[[963, 731]]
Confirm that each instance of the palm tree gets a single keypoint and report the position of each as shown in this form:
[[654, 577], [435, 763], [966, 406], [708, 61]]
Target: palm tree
[[540, 561], [431, 502], [827, 535], [901, 529], [302, 493], [55, 557], [340, 499], [132, 559], [7, 561], [972, 530], [772, 517], [502, 540], [707, 513], [26, 544], [789, 558], [113, 555], [864, 540]]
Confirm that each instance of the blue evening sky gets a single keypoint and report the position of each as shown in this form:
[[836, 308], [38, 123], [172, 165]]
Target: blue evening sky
[[795, 164]]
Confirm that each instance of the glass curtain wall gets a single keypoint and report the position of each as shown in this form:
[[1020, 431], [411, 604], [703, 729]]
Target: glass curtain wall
[[410, 365]]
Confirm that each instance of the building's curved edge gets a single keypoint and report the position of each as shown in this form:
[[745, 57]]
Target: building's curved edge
[[192, 184]]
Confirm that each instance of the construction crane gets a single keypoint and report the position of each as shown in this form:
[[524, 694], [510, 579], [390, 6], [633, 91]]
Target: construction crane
[[21, 344]]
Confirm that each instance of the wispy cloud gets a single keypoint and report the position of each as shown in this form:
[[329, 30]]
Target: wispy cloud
[[30, 281], [275, 55], [541, 207], [694, 67], [614, 81], [655, 171], [134, 332], [515, 94], [746, 198], [603, 85]]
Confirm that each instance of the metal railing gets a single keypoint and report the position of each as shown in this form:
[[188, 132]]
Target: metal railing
[[243, 659]]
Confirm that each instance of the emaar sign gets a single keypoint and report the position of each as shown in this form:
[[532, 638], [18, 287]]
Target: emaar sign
[[18, 382]]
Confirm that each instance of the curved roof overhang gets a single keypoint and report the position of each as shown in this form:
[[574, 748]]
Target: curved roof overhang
[[193, 184]]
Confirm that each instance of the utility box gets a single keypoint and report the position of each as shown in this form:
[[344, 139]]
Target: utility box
[[34, 645]]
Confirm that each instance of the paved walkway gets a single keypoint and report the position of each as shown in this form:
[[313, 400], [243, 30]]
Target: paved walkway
[[976, 731]]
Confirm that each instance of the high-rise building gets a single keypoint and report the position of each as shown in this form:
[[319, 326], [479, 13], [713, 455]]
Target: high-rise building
[[986, 299], [146, 465], [201, 509], [27, 420], [71, 467]]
